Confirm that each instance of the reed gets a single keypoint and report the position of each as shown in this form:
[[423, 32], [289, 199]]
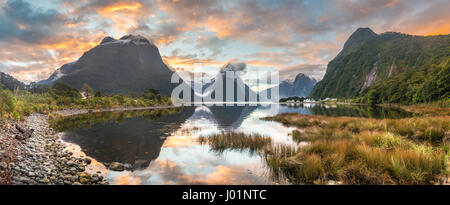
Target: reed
[[236, 141]]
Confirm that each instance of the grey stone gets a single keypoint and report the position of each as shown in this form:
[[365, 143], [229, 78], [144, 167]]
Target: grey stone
[[116, 166]]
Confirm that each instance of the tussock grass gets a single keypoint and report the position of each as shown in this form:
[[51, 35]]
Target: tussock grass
[[431, 129], [235, 141], [365, 151], [429, 110]]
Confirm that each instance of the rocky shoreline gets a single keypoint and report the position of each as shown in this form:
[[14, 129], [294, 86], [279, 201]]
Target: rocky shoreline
[[41, 159]]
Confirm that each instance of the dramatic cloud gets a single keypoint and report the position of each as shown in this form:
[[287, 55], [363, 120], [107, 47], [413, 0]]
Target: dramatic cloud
[[292, 36]]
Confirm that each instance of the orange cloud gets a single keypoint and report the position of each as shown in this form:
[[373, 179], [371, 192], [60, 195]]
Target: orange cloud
[[178, 61], [441, 29], [392, 3], [221, 26], [125, 14], [31, 62], [262, 63]]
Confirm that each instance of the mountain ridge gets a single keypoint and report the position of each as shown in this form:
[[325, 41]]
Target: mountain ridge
[[11, 83], [393, 64]]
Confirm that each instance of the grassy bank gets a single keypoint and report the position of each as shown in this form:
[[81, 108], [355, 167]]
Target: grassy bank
[[20, 103], [365, 151]]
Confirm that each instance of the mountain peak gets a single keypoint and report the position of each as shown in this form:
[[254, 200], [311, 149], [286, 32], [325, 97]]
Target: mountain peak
[[233, 66], [107, 39], [364, 31], [301, 85], [130, 38], [301, 75], [359, 36]]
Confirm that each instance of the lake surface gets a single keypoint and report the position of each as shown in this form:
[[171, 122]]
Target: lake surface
[[162, 146]]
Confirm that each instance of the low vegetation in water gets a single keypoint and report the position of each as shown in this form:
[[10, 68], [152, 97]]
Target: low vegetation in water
[[365, 151], [236, 141], [428, 109]]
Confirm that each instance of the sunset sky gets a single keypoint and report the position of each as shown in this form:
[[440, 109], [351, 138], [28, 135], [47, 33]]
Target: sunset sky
[[37, 37]]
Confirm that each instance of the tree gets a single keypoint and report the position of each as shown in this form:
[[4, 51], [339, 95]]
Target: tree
[[64, 90], [98, 94], [373, 97], [87, 90], [7, 103], [151, 94], [42, 88]]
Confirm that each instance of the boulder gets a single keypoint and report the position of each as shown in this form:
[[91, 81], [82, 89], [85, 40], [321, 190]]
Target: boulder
[[116, 166]]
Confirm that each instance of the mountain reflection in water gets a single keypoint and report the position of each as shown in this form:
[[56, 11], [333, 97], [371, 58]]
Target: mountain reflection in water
[[168, 139]]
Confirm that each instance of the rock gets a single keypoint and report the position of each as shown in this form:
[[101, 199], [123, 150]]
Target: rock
[[23, 179], [128, 167], [84, 180], [95, 179], [87, 160], [81, 168], [84, 175], [70, 163], [116, 166], [46, 180], [19, 137], [3, 165], [74, 178], [21, 129]]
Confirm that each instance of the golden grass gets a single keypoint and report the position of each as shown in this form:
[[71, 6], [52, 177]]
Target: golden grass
[[365, 151], [428, 110], [432, 129], [236, 141]]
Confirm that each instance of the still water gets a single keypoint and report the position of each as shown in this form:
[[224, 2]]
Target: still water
[[162, 146]]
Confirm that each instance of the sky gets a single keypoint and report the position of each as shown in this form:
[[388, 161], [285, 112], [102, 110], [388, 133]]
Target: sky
[[39, 36]]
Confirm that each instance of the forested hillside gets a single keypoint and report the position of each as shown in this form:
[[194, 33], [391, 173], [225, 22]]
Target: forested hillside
[[389, 68]]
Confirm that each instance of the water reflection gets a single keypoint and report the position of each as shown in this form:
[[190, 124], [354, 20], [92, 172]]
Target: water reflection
[[125, 138], [167, 143]]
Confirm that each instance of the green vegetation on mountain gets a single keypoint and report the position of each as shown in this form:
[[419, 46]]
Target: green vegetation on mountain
[[9, 82], [389, 68]]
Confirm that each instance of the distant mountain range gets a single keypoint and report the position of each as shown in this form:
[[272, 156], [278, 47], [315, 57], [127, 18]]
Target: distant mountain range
[[129, 64], [389, 68], [300, 86]]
